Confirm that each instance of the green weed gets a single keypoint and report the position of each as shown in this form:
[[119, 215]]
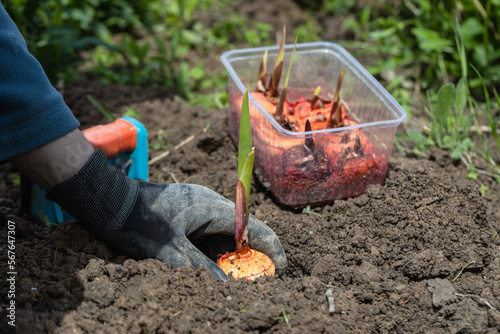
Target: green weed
[[486, 111], [159, 142], [449, 127], [308, 210], [284, 317], [484, 190], [130, 112], [454, 113], [47, 222]]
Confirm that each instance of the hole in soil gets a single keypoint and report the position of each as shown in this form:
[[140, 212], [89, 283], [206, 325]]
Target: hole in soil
[[218, 244], [213, 245]]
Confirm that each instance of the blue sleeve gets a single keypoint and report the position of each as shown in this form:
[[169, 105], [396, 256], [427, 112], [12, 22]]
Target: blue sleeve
[[32, 112]]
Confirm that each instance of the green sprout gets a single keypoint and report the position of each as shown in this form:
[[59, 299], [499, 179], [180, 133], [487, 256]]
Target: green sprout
[[130, 112], [46, 221], [279, 109], [246, 157], [275, 78], [284, 317], [261, 83], [307, 210], [315, 97]]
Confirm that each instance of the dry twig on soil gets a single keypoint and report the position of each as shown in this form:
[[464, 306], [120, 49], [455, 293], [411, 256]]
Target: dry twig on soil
[[166, 153], [481, 299]]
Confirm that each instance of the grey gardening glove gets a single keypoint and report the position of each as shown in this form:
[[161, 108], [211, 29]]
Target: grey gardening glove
[[155, 220]]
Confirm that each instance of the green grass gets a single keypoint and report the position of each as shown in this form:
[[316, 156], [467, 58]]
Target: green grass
[[412, 43], [284, 316], [454, 115], [160, 142], [454, 125]]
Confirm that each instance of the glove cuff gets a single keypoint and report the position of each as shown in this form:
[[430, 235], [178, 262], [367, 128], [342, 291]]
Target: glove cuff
[[100, 196]]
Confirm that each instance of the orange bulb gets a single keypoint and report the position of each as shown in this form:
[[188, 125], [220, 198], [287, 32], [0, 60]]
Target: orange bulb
[[248, 264]]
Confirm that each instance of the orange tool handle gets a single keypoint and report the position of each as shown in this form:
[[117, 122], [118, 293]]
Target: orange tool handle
[[117, 137]]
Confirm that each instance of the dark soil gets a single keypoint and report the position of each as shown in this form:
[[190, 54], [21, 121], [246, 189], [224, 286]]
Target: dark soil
[[392, 258], [380, 254]]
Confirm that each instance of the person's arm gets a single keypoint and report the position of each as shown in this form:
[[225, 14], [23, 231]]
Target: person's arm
[[32, 112], [38, 135], [55, 162]]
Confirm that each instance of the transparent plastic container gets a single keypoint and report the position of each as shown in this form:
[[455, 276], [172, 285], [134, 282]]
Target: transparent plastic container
[[346, 159]]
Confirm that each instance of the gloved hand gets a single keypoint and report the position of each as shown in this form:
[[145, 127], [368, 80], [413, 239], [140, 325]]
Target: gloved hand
[[155, 220]]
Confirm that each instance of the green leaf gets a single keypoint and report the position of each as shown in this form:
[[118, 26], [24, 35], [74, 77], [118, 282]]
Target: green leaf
[[447, 142], [489, 115], [364, 16], [287, 76], [461, 149], [191, 37], [246, 176], [459, 40], [316, 92], [472, 172], [276, 76], [160, 44], [182, 80], [436, 134], [307, 210], [429, 40], [281, 102], [174, 43], [416, 136], [484, 190], [45, 220], [445, 102], [384, 33], [281, 50], [245, 136], [461, 96], [471, 29]]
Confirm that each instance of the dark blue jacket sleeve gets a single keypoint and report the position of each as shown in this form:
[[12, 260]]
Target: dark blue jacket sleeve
[[32, 112]]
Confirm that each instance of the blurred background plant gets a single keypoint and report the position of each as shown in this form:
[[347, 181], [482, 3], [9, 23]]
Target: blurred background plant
[[56, 31], [134, 42], [412, 43], [146, 43], [423, 52]]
